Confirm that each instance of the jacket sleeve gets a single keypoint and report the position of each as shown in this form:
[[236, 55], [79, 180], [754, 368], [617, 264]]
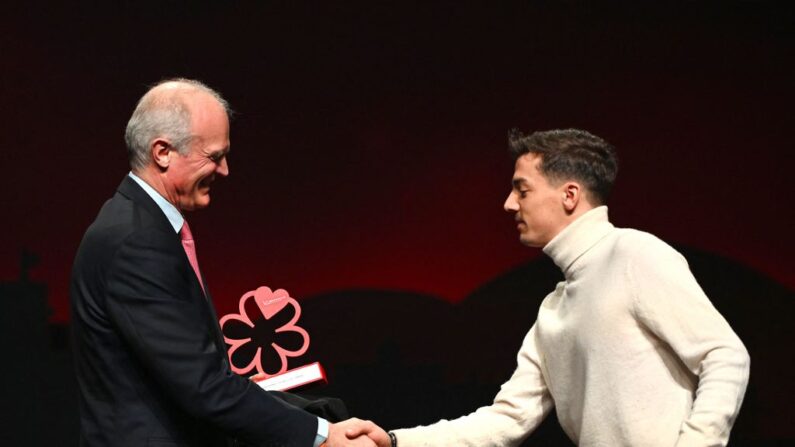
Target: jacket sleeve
[[149, 300], [671, 304], [519, 407]]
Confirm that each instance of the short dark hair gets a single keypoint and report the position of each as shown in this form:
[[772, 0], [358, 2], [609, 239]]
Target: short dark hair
[[571, 154]]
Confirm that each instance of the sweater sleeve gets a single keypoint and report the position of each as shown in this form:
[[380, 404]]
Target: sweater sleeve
[[519, 407], [670, 303]]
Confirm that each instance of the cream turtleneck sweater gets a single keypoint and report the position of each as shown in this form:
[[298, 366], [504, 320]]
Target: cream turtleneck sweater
[[628, 350]]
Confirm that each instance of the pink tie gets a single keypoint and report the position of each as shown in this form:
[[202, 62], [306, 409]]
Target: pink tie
[[190, 250]]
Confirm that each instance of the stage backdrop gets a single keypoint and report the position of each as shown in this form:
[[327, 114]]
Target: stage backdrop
[[369, 140]]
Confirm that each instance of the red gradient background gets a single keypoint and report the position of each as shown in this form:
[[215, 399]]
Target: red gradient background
[[369, 145]]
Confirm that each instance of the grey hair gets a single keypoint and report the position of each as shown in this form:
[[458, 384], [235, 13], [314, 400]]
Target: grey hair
[[164, 115]]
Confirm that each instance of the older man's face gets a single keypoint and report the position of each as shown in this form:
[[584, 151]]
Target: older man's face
[[537, 205], [190, 175]]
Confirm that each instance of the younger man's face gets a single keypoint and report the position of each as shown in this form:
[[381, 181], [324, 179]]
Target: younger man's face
[[537, 204]]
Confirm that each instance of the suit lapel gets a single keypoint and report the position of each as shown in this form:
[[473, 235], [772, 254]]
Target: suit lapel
[[133, 191], [219, 336]]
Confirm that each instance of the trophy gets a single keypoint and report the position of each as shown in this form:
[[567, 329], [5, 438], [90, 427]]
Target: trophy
[[256, 344]]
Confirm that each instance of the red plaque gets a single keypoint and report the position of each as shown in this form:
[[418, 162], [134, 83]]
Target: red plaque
[[269, 304]]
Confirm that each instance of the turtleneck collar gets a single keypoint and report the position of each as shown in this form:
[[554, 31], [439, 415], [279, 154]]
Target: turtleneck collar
[[577, 238]]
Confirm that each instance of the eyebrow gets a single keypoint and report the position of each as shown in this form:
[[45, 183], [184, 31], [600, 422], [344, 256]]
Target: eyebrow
[[223, 151], [517, 182]]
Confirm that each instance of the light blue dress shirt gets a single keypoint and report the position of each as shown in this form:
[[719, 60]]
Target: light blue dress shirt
[[171, 211]]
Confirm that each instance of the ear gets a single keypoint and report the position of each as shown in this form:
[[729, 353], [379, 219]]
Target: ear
[[572, 194], [161, 152]]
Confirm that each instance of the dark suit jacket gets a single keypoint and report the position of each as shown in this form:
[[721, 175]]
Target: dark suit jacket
[[150, 358]]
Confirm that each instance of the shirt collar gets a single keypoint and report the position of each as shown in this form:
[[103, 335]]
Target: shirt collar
[[577, 238], [171, 212]]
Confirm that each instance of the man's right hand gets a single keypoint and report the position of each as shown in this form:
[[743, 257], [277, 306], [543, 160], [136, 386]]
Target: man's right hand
[[337, 434], [372, 431]]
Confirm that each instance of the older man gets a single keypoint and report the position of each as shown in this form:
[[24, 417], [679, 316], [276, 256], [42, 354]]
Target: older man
[[628, 349], [151, 362]]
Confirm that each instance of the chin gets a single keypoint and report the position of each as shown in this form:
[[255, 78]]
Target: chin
[[201, 202], [530, 242]]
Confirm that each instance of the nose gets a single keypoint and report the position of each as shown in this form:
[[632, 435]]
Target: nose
[[223, 168], [511, 205]]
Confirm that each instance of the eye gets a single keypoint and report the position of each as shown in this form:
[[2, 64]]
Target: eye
[[523, 193]]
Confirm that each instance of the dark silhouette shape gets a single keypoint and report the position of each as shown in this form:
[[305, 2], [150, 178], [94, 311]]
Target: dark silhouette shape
[[38, 402]]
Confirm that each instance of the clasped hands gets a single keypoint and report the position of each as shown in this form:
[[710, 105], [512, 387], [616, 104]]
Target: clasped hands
[[357, 433], [351, 432]]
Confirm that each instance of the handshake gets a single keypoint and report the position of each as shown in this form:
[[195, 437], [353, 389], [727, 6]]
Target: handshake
[[357, 433]]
